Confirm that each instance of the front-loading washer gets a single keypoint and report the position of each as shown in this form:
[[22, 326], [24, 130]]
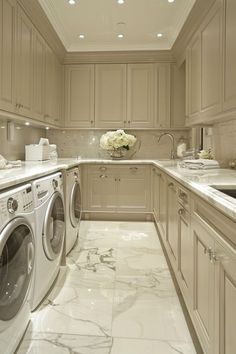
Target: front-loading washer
[[49, 233], [72, 206], [17, 249]]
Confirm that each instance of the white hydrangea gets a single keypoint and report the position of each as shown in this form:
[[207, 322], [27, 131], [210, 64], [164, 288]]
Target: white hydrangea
[[117, 139]]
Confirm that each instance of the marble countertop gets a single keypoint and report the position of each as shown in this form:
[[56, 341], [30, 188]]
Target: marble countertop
[[198, 181]]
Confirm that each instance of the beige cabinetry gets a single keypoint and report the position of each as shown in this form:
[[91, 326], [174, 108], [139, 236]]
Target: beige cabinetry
[[39, 48], [172, 238], [229, 59], [156, 193], [110, 95], [162, 224], [214, 277], [117, 188], [162, 95], [7, 54], [79, 96], [24, 64], [140, 87]]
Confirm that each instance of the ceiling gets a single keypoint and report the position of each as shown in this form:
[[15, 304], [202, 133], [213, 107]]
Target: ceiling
[[102, 20]]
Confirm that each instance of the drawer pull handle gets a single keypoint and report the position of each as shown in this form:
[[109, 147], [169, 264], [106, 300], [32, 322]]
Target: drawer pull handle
[[133, 169], [181, 211], [103, 176], [171, 185], [103, 169]]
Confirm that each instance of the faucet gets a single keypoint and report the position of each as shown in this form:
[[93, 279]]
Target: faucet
[[172, 153]]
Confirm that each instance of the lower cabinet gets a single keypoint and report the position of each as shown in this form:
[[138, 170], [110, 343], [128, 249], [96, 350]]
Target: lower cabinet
[[117, 188], [162, 223], [172, 237], [156, 193]]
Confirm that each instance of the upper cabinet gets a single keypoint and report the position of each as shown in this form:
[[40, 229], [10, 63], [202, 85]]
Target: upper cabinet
[[7, 54], [211, 68], [140, 85], [229, 58], [118, 96], [79, 96], [39, 76], [110, 95]]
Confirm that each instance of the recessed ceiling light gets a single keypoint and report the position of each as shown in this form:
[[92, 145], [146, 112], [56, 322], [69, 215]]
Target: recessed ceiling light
[[71, 2], [27, 123], [120, 35], [47, 128], [120, 2], [159, 35], [81, 36], [170, 1]]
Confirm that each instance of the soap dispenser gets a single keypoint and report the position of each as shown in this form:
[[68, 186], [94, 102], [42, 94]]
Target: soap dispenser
[[181, 147]]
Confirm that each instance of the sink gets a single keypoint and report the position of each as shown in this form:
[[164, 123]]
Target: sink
[[228, 190]]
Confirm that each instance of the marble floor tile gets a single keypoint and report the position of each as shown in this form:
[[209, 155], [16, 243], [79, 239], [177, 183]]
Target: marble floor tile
[[59, 343], [115, 296], [75, 310], [132, 346], [140, 314]]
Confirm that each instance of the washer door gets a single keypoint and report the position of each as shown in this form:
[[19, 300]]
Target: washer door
[[16, 264], [75, 204], [54, 227]]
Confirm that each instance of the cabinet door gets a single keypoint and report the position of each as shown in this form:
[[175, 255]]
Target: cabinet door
[[162, 206], [162, 96], [7, 54], [225, 263], [110, 95], [39, 76], [79, 96], [203, 287], [155, 192], [140, 95], [229, 67], [172, 224], [194, 76], [24, 62], [133, 189], [185, 272], [211, 59], [101, 189]]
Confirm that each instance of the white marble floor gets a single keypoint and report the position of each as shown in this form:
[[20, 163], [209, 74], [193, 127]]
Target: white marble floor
[[115, 296]]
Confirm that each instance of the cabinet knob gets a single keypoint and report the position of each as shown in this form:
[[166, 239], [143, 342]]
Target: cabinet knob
[[103, 176], [129, 121], [91, 122], [181, 211], [171, 185]]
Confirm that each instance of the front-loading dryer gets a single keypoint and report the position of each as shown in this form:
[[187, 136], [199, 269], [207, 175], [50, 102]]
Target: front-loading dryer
[[73, 206], [50, 231], [17, 249]]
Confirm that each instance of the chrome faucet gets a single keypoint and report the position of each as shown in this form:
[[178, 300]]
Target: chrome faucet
[[172, 153]]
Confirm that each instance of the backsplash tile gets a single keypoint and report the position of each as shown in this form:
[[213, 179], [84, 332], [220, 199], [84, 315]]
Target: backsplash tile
[[224, 141], [23, 135], [85, 143]]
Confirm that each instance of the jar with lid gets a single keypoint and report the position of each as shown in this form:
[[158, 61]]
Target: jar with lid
[[181, 147]]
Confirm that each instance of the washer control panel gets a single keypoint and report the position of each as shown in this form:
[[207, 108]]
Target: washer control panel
[[46, 186], [16, 201]]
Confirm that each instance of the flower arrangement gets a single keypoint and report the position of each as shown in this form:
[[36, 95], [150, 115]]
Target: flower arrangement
[[117, 142]]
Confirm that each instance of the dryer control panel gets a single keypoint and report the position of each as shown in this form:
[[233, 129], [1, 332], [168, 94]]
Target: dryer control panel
[[46, 186], [16, 201]]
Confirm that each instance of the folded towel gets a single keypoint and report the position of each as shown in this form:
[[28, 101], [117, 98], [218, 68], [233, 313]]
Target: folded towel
[[203, 164], [5, 164]]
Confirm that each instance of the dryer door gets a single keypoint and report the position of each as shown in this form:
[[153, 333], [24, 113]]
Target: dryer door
[[75, 204], [16, 263], [54, 227]]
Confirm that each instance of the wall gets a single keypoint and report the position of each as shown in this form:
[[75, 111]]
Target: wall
[[14, 150], [85, 143], [223, 141]]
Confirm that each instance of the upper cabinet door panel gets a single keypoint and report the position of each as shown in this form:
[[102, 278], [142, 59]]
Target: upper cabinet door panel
[[39, 76], [140, 95], [24, 64], [79, 96], [7, 54], [229, 68], [162, 96], [194, 75], [211, 59], [110, 95]]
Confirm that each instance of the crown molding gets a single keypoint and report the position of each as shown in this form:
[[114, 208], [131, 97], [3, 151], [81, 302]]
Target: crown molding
[[118, 57], [193, 22], [35, 12]]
